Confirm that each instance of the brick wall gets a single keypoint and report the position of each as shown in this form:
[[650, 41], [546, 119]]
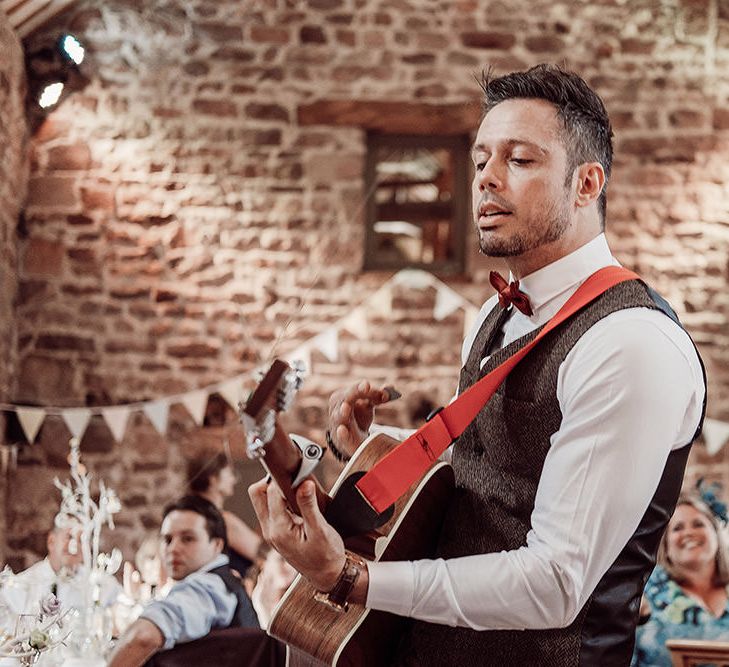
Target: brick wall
[[13, 180], [183, 222]]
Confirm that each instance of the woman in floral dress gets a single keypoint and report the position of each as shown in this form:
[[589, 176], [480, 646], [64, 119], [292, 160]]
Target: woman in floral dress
[[687, 591]]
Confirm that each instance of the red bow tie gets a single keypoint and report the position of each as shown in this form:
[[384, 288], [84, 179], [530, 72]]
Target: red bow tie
[[510, 293]]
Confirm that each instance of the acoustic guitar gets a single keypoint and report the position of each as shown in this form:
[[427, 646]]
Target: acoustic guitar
[[315, 634]]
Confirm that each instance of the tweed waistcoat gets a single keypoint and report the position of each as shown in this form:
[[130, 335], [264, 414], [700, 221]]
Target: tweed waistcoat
[[498, 463]]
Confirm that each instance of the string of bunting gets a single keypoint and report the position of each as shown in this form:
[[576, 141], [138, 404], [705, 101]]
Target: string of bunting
[[232, 390]]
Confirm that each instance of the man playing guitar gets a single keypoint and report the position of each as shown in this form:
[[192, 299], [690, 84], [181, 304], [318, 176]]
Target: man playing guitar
[[566, 479]]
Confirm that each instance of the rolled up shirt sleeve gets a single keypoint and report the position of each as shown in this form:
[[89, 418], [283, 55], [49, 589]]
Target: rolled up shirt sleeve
[[192, 608], [630, 391]]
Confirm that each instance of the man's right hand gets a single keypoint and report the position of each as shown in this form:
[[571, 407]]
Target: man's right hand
[[351, 412]]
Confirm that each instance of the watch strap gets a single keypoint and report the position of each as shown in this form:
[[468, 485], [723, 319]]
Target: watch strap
[[337, 598]]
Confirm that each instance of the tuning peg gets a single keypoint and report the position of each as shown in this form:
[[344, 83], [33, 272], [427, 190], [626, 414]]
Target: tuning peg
[[299, 369], [254, 446], [283, 399]]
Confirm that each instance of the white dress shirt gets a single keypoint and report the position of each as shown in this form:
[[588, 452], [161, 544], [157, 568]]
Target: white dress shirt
[[25, 589], [630, 390]]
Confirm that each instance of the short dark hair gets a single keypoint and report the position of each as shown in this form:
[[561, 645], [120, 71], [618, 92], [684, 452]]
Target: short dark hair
[[587, 133], [202, 468], [214, 522]]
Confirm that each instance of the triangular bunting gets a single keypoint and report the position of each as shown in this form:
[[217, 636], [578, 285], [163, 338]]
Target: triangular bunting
[[157, 412], [116, 419], [328, 343], [469, 317], [196, 402], [446, 302], [413, 278], [77, 419], [231, 391], [716, 434], [381, 301], [356, 323], [30, 421]]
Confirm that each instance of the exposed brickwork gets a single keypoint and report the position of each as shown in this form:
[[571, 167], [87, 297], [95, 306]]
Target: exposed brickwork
[[183, 217], [13, 183]]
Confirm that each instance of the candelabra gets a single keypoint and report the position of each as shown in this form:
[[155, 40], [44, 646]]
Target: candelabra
[[86, 517]]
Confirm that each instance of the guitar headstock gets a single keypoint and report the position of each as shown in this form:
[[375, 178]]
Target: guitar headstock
[[275, 393]]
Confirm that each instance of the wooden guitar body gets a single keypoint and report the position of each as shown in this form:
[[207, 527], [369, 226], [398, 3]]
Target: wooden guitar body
[[359, 637]]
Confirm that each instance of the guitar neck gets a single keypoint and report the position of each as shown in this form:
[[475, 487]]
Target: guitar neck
[[268, 441]]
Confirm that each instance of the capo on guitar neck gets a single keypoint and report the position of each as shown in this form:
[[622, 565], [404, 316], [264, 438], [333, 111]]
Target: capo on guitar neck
[[311, 455]]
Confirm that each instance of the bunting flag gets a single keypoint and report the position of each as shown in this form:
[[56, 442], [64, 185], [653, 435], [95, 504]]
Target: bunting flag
[[469, 319], [77, 419], [157, 412], [116, 419], [30, 421], [446, 302], [381, 301], [328, 343], [196, 402], [233, 390], [716, 434], [356, 323], [414, 278]]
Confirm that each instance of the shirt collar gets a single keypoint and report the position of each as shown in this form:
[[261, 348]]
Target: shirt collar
[[565, 273], [220, 559]]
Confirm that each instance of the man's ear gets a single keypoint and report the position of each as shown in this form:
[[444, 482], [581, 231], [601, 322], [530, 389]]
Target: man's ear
[[219, 544], [590, 182]]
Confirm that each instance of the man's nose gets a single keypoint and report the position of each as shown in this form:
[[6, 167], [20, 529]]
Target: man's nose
[[490, 178]]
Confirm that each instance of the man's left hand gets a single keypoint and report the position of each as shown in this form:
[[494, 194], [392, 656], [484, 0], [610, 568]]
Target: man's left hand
[[307, 542]]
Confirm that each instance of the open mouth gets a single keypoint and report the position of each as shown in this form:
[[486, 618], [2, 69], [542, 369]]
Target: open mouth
[[491, 213], [691, 544]]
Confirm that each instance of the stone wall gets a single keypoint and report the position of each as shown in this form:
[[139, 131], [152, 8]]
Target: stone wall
[[185, 221], [13, 181]]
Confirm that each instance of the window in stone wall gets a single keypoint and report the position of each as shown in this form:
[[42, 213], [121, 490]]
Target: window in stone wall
[[417, 191]]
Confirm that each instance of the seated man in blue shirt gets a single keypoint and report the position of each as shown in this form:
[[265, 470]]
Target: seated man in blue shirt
[[206, 596]]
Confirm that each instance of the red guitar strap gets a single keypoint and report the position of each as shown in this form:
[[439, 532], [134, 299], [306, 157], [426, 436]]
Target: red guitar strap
[[393, 474]]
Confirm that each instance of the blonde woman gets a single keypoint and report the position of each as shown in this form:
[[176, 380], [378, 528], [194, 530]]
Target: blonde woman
[[687, 591]]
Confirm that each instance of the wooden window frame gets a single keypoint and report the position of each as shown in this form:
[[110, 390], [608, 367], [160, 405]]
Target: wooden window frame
[[460, 146]]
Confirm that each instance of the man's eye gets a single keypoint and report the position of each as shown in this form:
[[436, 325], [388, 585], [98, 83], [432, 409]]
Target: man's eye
[[519, 160], [480, 166]]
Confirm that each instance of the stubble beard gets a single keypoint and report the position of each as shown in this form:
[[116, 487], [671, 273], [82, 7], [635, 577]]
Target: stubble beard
[[538, 231]]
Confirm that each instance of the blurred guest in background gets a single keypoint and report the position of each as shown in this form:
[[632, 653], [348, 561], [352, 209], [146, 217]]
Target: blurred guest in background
[[149, 561], [143, 581], [214, 479], [206, 594], [687, 591], [274, 578], [60, 573]]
